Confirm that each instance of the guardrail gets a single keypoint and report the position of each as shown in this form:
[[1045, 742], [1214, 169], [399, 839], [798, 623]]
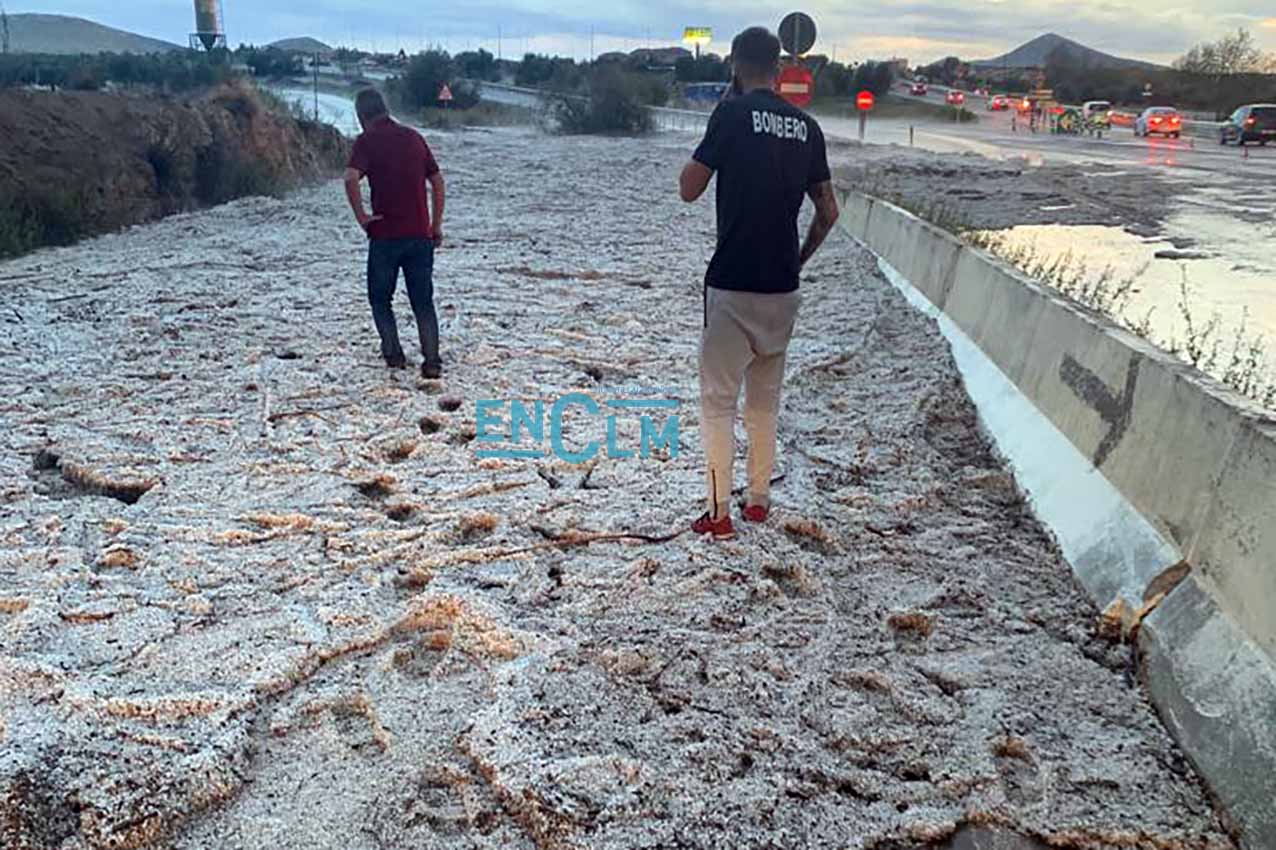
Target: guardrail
[[663, 117]]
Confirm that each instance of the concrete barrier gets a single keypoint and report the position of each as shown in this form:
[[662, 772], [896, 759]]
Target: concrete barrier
[[1161, 488]]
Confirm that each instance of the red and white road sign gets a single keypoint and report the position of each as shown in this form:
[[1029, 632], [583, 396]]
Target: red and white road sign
[[796, 85], [864, 101], [445, 94]]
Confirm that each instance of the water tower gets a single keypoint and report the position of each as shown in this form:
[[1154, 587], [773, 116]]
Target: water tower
[[210, 33]]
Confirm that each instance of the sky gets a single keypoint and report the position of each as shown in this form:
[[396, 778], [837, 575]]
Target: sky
[[921, 30]]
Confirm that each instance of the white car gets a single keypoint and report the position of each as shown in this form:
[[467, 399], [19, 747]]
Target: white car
[[1161, 120]]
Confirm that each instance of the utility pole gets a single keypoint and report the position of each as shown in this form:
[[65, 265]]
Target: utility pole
[[499, 57], [4, 30], [314, 66]]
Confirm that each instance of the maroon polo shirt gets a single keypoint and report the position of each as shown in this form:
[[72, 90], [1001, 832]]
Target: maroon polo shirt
[[397, 162]]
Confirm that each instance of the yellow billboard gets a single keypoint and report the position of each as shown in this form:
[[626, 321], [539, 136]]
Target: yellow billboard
[[697, 35]]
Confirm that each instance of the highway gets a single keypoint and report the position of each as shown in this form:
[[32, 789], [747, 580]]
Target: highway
[[995, 134]]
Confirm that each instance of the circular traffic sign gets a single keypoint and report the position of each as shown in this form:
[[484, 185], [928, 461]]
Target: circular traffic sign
[[864, 100], [797, 33], [796, 85]]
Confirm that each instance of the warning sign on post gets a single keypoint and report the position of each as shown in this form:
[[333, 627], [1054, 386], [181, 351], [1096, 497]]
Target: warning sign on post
[[445, 94]]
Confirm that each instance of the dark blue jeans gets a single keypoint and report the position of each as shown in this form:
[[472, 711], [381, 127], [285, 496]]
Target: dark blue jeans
[[416, 258]]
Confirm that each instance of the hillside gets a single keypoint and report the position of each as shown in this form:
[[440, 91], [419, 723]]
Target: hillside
[[34, 33], [305, 44], [1035, 53]]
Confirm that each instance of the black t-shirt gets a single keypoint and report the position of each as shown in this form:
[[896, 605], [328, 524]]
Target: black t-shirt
[[767, 154]]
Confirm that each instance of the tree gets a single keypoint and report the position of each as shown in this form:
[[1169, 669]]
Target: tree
[[424, 78], [705, 69], [876, 77], [945, 72], [479, 65], [534, 70], [1231, 54]]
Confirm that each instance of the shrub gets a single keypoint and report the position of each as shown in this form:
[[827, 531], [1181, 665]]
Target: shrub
[[33, 220], [614, 105], [221, 175]]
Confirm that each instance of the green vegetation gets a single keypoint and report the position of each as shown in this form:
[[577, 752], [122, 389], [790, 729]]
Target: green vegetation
[[55, 217], [898, 108], [615, 103], [484, 114], [420, 83], [176, 71]]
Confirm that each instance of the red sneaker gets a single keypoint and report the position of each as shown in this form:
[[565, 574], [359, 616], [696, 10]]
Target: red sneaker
[[756, 513], [721, 529]]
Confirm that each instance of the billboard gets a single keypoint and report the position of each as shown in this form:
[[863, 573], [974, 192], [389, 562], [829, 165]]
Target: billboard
[[698, 36]]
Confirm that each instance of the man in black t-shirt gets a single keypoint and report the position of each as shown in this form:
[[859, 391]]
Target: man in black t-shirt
[[768, 156]]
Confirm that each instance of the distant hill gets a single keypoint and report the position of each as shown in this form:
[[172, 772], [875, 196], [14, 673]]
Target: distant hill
[[1035, 53], [305, 44], [32, 33]]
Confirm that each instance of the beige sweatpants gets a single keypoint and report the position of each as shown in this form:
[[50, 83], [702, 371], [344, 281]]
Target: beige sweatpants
[[745, 338]]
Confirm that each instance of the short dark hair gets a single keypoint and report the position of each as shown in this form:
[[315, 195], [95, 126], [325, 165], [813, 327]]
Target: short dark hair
[[370, 105], [755, 52]]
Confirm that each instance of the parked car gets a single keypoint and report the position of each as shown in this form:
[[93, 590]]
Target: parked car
[[918, 89], [998, 103], [1253, 123], [1164, 120], [955, 98], [1096, 113]]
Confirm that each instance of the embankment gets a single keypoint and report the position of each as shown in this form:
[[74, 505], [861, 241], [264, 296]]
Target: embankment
[[74, 164], [1159, 482]]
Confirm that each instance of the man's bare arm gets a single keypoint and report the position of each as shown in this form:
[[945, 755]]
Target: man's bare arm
[[694, 180], [826, 213], [438, 198], [353, 194]]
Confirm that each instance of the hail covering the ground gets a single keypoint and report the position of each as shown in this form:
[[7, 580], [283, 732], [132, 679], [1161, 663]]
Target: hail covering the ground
[[256, 591]]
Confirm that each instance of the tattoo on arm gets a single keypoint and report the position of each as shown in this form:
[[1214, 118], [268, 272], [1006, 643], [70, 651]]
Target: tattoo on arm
[[826, 214]]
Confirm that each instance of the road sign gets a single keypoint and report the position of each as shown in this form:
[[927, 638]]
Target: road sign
[[796, 85], [445, 94], [797, 33], [864, 101]]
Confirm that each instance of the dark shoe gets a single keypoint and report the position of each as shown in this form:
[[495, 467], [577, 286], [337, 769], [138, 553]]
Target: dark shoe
[[721, 529], [431, 371], [397, 362], [756, 513]]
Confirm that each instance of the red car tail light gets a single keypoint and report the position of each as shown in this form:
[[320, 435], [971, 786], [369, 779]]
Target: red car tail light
[[1156, 120], [1251, 121]]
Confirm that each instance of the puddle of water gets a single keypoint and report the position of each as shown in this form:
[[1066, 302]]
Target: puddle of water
[[1237, 275]]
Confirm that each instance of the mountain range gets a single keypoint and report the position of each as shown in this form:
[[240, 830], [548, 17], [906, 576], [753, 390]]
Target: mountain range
[[39, 33], [36, 33], [1035, 53]]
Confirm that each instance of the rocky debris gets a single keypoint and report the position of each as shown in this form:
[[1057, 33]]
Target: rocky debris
[[330, 625], [974, 191]]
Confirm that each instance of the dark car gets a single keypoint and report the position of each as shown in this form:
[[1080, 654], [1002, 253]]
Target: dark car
[[1253, 123], [918, 89]]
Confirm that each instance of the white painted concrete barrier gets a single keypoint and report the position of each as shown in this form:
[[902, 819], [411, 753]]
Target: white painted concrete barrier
[[1159, 482]]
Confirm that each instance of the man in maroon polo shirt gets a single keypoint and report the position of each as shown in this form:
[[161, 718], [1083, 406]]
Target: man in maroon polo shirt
[[402, 234]]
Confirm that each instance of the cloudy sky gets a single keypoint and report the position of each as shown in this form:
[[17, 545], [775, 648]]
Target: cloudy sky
[[922, 30]]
